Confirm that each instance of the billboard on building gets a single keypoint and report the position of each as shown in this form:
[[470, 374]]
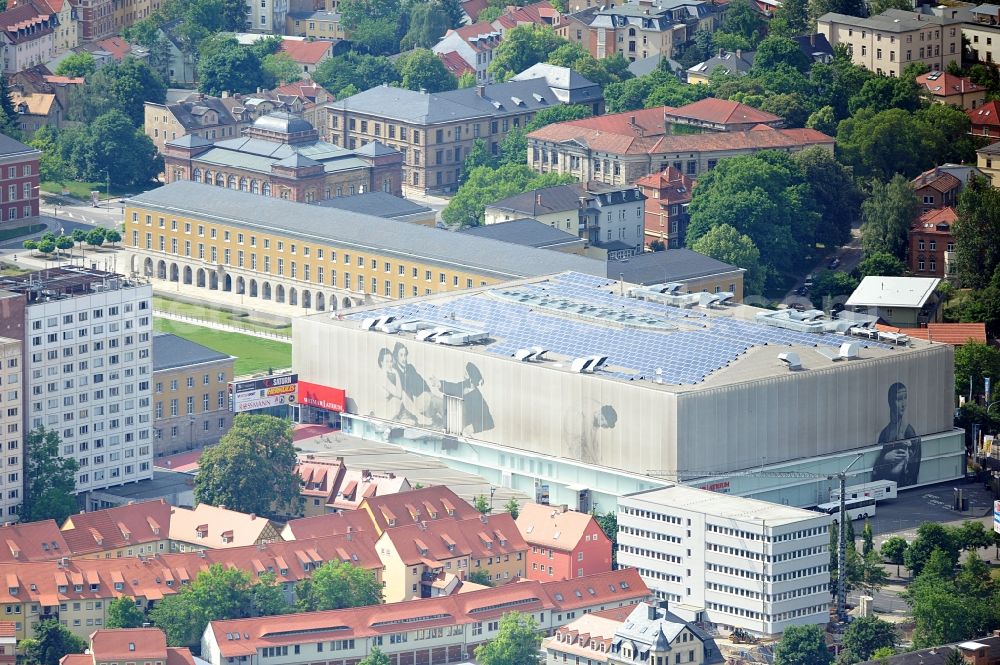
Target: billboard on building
[[262, 393], [996, 516], [321, 397]]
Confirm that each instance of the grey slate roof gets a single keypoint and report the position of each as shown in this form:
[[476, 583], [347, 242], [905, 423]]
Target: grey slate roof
[[891, 20], [815, 44], [409, 242], [421, 108], [728, 61], [190, 141], [375, 149], [380, 204], [10, 147], [644, 66], [170, 351], [992, 149], [543, 201], [672, 265], [555, 76], [528, 232]]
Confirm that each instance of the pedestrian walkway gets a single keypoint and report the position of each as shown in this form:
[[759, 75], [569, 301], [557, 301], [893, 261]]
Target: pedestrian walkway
[[214, 325]]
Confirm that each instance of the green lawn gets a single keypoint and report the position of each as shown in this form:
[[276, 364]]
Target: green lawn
[[253, 354], [82, 190], [217, 315]]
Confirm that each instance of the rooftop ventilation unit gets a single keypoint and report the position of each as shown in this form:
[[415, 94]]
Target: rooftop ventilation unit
[[893, 338], [706, 299], [791, 359], [847, 351], [534, 354], [810, 321], [667, 294], [380, 323], [588, 364]]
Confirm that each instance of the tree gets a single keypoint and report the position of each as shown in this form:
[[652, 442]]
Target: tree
[[882, 144], [230, 67], [111, 146], [973, 362], [484, 185], [119, 86], [609, 525], [833, 192], [112, 236], [930, 537], [823, 119], [775, 50], [516, 643], [892, 550], [50, 479], [512, 507], [422, 70], [336, 585], [375, 657], [763, 196], [480, 577], [835, 286], [790, 19], [883, 93], [881, 263], [64, 242], [30, 245], [744, 20], [358, 70], [954, 133], [77, 65], [252, 469], [971, 536], [865, 635], [867, 539], [428, 23], [466, 80], [977, 254], [122, 613], [728, 245], [95, 238], [887, 214], [280, 68], [47, 246], [560, 113], [522, 47], [802, 645], [372, 24], [482, 504], [873, 575], [876, 7], [50, 643]]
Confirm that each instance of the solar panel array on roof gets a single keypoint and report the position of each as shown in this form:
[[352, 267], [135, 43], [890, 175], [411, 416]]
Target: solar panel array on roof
[[682, 354]]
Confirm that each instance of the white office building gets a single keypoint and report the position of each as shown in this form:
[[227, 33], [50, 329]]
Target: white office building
[[712, 555], [89, 366], [11, 443]]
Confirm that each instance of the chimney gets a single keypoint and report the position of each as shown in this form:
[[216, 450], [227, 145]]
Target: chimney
[[538, 199], [252, 517], [631, 120], [225, 94], [651, 611], [722, 52], [739, 54], [812, 39], [563, 508], [340, 460], [480, 90]]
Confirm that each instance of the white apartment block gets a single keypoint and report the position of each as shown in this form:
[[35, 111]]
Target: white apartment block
[[888, 42], [730, 561], [267, 16], [11, 443], [89, 367]]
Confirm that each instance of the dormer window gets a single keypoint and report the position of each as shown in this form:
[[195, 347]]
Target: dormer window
[[119, 586], [61, 588], [78, 588], [131, 646], [13, 590]]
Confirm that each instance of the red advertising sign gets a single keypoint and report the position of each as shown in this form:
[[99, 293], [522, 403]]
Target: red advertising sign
[[323, 397]]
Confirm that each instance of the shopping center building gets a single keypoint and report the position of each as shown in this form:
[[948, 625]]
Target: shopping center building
[[577, 389]]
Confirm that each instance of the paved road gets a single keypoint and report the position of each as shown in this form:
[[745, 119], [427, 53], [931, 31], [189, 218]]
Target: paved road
[[850, 256], [57, 225]]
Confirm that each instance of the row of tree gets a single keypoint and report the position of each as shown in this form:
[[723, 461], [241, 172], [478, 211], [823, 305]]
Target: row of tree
[[50, 243]]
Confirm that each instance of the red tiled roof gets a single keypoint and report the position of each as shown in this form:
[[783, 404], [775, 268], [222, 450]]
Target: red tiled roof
[[642, 122], [538, 13], [944, 333], [72, 80], [619, 587], [476, 30], [116, 46], [473, 7], [673, 186], [986, 115], [179, 656], [941, 181], [454, 63], [552, 527], [761, 139], [7, 629], [128, 643], [308, 91], [943, 84], [82, 532], [436, 502], [348, 521], [471, 537], [77, 659], [32, 541], [307, 52], [186, 462], [724, 112], [928, 221]]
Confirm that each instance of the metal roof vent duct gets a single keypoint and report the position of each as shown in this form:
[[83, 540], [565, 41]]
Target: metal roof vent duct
[[588, 364], [791, 359]]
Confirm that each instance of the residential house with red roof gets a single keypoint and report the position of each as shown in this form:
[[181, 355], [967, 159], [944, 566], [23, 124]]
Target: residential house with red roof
[[36, 110], [345, 522], [32, 541], [66, 32], [564, 543], [78, 591], [27, 33], [146, 645], [937, 188], [359, 484], [617, 149], [8, 643], [537, 13], [932, 243], [320, 480], [431, 630], [985, 119], [131, 530], [211, 527], [473, 44], [308, 54], [945, 88], [433, 503], [429, 558], [115, 46], [668, 194], [720, 115]]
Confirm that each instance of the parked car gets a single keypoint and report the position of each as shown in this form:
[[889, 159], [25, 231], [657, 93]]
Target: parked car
[[834, 262]]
